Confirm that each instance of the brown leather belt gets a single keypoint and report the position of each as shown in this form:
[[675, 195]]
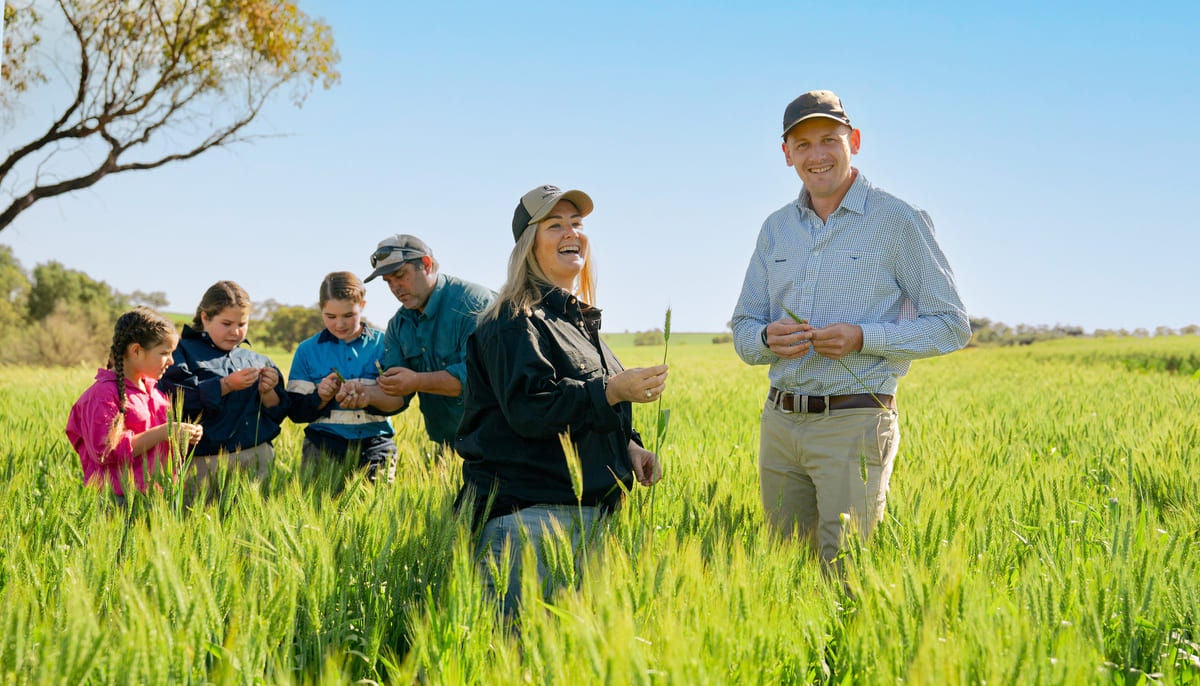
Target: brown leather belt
[[793, 402]]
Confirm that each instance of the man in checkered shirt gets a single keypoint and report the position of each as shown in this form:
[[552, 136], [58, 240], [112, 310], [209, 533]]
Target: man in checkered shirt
[[846, 286]]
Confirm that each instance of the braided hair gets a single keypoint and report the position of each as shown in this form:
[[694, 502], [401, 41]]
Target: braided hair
[[219, 296], [145, 327]]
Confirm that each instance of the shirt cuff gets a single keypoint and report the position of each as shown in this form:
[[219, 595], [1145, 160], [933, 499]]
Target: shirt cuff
[[607, 417], [459, 371], [874, 340]]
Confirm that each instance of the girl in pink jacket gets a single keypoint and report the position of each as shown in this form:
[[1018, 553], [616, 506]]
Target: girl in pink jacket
[[119, 424]]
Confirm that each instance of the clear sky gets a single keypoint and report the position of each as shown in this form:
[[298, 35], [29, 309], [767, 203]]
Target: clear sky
[[1054, 144]]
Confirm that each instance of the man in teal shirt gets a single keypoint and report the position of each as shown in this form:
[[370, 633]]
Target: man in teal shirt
[[425, 343]]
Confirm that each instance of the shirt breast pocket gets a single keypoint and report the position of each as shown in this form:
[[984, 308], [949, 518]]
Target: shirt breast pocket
[[852, 283], [782, 273], [580, 365]]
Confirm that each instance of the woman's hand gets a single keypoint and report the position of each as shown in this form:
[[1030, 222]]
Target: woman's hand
[[646, 468], [639, 385]]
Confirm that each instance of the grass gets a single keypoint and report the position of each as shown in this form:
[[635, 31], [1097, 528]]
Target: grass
[[1042, 529]]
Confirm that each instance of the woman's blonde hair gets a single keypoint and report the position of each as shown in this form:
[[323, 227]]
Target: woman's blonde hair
[[526, 280]]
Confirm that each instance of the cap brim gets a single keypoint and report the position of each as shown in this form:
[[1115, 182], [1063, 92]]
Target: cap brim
[[384, 269], [814, 116], [579, 199]]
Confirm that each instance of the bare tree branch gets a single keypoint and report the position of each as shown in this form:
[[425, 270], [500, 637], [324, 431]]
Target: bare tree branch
[[143, 71]]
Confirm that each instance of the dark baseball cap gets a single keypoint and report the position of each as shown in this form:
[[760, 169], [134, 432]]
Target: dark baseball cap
[[814, 104], [537, 203], [394, 251]]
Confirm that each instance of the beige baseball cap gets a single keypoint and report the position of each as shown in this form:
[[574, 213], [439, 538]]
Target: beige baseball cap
[[537, 203]]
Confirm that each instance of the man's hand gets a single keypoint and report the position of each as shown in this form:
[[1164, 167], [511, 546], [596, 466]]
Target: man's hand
[[837, 340], [788, 338], [398, 381]]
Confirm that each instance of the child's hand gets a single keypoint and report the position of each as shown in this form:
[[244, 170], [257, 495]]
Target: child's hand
[[241, 379], [268, 377], [329, 387], [353, 396], [188, 433]]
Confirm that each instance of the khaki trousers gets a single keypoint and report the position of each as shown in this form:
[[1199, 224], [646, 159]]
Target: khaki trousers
[[819, 472], [257, 461]]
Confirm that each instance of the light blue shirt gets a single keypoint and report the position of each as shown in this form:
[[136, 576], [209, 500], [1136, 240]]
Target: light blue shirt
[[873, 263], [355, 360]]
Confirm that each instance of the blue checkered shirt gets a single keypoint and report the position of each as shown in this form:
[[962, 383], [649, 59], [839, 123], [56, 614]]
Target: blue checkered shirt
[[874, 263]]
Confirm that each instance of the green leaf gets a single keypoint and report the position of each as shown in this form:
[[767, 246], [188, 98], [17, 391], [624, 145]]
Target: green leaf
[[664, 420]]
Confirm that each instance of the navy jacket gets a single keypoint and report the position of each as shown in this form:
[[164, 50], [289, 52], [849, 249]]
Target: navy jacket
[[233, 422], [529, 379]]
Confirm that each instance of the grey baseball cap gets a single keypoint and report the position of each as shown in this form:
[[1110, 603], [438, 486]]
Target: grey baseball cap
[[394, 251], [814, 104]]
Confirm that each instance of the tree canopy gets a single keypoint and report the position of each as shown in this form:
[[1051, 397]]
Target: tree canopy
[[150, 82]]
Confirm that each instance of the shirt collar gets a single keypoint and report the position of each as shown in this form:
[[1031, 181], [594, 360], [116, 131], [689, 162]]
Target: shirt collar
[[431, 305], [568, 305], [106, 375], [854, 201], [326, 337], [202, 335]]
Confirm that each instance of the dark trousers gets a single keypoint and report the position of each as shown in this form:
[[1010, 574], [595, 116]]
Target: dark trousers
[[373, 451]]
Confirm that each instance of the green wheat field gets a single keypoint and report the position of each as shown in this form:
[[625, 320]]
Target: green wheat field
[[1043, 528]]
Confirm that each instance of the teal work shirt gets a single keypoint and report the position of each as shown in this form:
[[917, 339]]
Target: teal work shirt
[[436, 340]]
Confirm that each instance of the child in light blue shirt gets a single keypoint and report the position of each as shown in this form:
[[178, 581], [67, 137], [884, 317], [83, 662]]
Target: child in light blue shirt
[[345, 350]]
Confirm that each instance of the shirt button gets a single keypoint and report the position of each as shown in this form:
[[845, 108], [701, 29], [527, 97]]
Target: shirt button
[[816, 253]]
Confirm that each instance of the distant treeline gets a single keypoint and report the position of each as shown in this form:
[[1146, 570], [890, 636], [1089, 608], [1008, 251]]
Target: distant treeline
[[58, 316], [986, 332]]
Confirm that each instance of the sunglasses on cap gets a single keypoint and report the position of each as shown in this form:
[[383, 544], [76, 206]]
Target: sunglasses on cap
[[382, 253]]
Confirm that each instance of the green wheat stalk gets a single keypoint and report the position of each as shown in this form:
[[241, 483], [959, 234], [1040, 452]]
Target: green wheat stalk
[[574, 464], [664, 416], [842, 362], [179, 454], [575, 468]]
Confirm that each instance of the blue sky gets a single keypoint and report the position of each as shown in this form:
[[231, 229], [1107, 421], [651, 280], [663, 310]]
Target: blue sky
[[1054, 145]]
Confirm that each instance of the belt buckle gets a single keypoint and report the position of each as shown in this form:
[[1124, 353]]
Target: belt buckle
[[779, 397]]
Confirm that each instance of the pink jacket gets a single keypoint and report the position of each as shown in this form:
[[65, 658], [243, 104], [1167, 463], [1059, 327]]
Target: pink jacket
[[91, 417]]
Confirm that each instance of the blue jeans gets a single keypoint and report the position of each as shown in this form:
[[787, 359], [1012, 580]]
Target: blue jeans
[[538, 526]]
